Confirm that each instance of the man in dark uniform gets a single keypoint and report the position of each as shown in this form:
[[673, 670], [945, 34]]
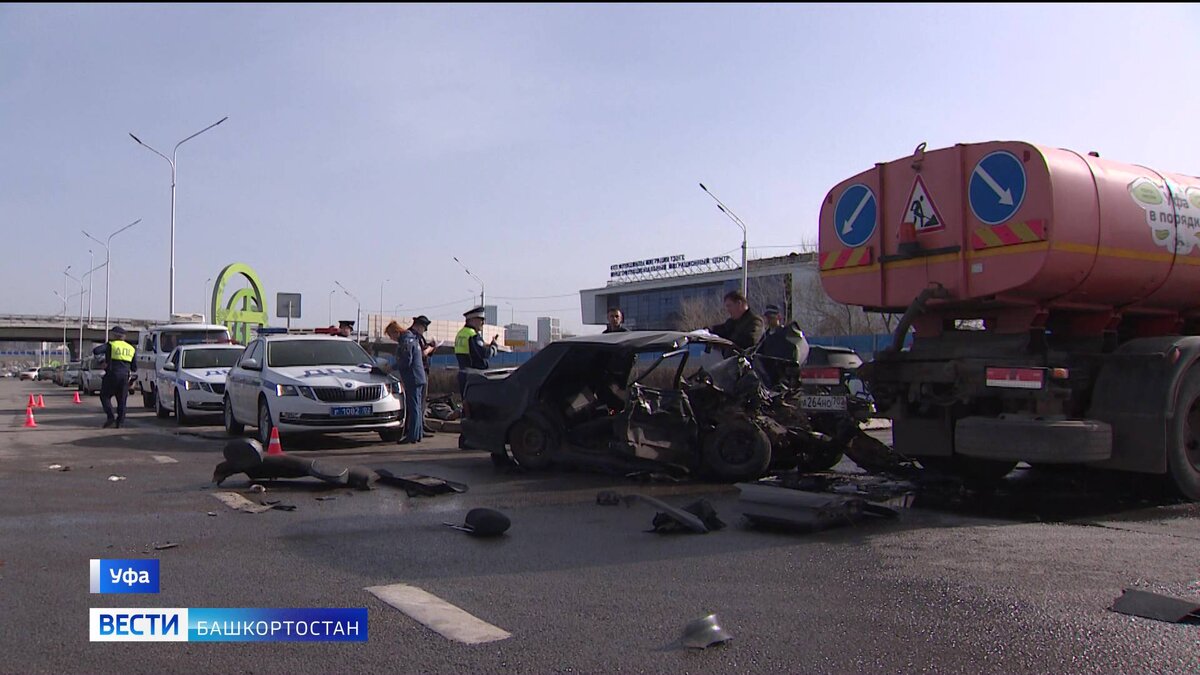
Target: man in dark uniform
[[119, 362], [615, 319], [411, 371], [782, 349], [744, 328], [470, 349]]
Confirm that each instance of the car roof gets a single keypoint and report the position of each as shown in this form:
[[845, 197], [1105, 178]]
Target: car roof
[[647, 339], [212, 345], [314, 338]]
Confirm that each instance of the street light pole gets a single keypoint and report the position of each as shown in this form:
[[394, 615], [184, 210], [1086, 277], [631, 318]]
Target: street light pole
[[107, 267], [205, 305], [80, 282], [331, 306], [171, 161], [380, 327], [91, 268], [358, 314], [481, 300], [736, 221]]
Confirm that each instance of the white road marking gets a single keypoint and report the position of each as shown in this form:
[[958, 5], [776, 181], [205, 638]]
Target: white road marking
[[239, 503], [163, 459], [438, 615]]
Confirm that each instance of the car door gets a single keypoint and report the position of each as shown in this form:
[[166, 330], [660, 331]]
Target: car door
[[247, 383], [167, 379]]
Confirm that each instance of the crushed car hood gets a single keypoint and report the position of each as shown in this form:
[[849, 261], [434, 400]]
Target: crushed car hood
[[650, 339]]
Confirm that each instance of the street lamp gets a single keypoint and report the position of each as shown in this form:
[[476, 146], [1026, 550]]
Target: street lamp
[[108, 266], [205, 304], [80, 282], [736, 221], [481, 301], [331, 306], [380, 327], [171, 161], [91, 265], [88, 275], [358, 314]]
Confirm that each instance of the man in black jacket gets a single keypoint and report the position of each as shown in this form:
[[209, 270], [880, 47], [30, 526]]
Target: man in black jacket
[[615, 319], [744, 328]]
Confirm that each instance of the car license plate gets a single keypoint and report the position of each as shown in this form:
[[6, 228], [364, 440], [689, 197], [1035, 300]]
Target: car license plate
[[354, 411], [823, 403]]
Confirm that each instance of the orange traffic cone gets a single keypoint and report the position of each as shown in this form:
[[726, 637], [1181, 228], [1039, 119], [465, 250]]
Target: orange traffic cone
[[29, 421], [274, 448], [32, 402], [77, 397], [41, 401]]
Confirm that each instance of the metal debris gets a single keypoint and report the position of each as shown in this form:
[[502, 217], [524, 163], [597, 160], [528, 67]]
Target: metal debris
[[212, 513], [114, 478], [163, 547], [258, 488], [58, 467], [682, 519], [239, 503], [420, 485], [704, 633]]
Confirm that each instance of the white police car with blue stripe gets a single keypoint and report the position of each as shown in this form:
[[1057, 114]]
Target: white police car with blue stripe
[[311, 383], [191, 381]]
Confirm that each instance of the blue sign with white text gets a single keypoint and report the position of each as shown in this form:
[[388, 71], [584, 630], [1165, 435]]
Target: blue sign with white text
[[124, 576], [997, 187], [856, 215]]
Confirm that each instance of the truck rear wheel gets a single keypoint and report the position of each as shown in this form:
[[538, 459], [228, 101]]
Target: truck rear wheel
[[1183, 442]]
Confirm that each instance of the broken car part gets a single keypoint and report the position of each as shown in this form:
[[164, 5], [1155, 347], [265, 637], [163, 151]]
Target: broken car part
[[483, 522], [689, 521], [704, 633], [420, 485], [1154, 606]]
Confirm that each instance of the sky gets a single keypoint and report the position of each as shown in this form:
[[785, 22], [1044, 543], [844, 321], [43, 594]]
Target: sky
[[370, 145]]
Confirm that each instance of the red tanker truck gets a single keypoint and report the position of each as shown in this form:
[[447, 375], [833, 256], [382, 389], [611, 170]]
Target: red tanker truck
[[1054, 301]]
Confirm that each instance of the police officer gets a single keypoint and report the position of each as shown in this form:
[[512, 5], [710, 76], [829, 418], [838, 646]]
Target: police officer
[[470, 349], [782, 348], [346, 328], [411, 371], [119, 361]]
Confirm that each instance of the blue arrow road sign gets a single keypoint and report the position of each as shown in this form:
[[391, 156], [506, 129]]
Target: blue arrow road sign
[[856, 215], [997, 187]]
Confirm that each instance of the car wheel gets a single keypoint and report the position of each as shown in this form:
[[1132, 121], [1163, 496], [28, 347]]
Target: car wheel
[[232, 426], [180, 417], [264, 422], [161, 411], [533, 444], [149, 398], [736, 450]]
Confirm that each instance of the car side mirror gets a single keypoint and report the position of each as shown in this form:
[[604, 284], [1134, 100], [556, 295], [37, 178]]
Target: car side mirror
[[251, 364], [171, 367]]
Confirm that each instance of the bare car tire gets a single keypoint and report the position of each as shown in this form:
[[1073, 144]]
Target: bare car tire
[[232, 426], [533, 445], [736, 450]]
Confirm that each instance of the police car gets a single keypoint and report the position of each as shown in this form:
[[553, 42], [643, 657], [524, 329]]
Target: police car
[[192, 380], [310, 383]]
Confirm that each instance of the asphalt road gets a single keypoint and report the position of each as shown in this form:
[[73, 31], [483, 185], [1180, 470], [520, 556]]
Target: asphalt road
[[1014, 582]]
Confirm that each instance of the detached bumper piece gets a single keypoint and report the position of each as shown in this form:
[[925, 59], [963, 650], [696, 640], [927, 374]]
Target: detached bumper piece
[[772, 506]]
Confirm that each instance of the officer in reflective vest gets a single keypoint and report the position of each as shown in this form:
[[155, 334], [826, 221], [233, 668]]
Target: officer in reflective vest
[[119, 362], [470, 349]]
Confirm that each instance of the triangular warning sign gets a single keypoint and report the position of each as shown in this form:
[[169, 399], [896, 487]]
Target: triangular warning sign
[[921, 211]]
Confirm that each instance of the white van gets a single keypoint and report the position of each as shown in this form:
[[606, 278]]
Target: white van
[[157, 343]]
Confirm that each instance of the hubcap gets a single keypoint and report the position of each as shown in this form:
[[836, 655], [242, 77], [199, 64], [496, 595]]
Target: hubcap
[[533, 440]]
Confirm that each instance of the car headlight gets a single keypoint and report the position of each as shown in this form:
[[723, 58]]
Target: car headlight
[[286, 390], [188, 385]]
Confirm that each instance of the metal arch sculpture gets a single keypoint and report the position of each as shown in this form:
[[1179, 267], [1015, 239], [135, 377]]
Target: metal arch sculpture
[[252, 300]]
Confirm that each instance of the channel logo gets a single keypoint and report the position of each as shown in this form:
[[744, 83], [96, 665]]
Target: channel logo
[[124, 576], [227, 625]]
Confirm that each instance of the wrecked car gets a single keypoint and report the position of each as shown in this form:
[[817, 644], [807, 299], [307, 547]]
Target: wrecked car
[[629, 402]]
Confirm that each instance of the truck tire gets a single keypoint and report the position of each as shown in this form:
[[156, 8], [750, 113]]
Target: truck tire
[[533, 444], [736, 450], [1183, 438]]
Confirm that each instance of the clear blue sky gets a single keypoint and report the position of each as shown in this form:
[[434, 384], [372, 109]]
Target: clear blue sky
[[538, 144]]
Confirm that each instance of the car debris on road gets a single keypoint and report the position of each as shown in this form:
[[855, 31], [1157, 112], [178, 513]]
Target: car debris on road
[[704, 633], [483, 522], [1149, 605]]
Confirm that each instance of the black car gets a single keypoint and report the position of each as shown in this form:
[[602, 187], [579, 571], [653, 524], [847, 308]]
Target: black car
[[629, 401]]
